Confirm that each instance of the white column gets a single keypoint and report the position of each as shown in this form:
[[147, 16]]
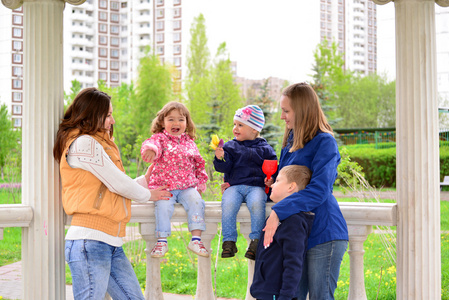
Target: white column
[[245, 230], [204, 289], [357, 236], [43, 269], [417, 156]]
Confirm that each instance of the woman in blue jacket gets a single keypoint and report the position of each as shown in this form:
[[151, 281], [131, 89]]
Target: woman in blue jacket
[[308, 140]]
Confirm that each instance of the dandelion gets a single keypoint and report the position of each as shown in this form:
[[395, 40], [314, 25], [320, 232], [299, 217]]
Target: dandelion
[[368, 272]]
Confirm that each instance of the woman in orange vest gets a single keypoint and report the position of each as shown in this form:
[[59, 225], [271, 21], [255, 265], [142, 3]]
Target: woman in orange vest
[[96, 192]]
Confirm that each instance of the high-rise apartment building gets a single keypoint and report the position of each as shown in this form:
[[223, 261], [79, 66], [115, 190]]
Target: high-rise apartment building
[[352, 24], [11, 62], [105, 40]]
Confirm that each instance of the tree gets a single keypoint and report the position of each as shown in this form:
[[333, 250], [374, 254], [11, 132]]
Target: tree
[[8, 138], [74, 90], [198, 82], [154, 89]]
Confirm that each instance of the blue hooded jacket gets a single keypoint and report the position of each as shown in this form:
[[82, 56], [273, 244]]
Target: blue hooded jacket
[[242, 163]]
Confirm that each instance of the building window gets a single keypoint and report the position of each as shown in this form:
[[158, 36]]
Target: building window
[[160, 37], [114, 65], [124, 76], [177, 61], [103, 28], [114, 53], [115, 41], [17, 32], [115, 18], [17, 122], [17, 20], [17, 97], [115, 5], [102, 16], [177, 12], [17, 109], [114, 77], [17, 58], [115, 29], [20, 9], [160, 50], [160, 25], [102, 64], [17, 45], [17, 84], [176, 37], [103, 40], [103, 76], [160, 13], [103, 4], [177, 49], [17, 71], [177, 25], [124, 28], [160, 2], [176, 2], [103, 52]]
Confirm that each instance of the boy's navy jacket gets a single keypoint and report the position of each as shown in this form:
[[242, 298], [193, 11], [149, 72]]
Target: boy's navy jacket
[[278, 268], [321, 156], [242, 163]]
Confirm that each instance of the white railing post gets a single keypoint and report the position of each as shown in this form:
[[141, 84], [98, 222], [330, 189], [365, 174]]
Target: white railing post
[[204, 289], [245, 230], [357, 236], [153, 289]]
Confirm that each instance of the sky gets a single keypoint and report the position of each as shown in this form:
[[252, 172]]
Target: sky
[[277, 38], [266, 38]]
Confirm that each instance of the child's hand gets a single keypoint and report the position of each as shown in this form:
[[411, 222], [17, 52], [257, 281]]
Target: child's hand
[[224, 186], [160, 194], [269, 182], [219, 153], [148, 155]]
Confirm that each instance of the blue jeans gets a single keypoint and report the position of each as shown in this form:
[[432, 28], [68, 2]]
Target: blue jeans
[[321, 270], [193, 204], [232, 199], [97, 267]]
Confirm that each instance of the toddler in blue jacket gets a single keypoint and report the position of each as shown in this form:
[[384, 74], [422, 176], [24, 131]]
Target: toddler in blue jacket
[[241, 162], [278, 267]]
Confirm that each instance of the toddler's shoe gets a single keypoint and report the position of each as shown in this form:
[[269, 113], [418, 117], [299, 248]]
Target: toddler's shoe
[[229, 249], [198, 248], [159, 249], [252, 248]]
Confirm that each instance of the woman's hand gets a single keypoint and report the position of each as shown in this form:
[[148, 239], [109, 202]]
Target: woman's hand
[[219, 153], [148, 173], [270, 228], [148, 155], [224, 186], [269, 182], [160, 194]]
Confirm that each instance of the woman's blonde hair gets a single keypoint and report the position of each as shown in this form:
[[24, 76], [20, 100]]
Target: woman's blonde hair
[[158, 122], [309, 117]]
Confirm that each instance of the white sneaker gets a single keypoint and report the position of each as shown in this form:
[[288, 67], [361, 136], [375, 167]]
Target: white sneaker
[[198, 248], [159, 249]]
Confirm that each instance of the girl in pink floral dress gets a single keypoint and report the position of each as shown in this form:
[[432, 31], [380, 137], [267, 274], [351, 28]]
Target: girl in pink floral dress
[[178, 165]]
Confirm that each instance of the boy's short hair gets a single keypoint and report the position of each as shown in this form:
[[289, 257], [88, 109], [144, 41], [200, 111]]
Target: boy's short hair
[[299, 174]]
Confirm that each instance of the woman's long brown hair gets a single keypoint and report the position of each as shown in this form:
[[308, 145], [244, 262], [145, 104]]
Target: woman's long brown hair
[[309, 117], [87, 113]]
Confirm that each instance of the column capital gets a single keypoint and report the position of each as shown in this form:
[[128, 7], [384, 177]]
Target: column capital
[[381, 2], [13, 4], [443, 3]]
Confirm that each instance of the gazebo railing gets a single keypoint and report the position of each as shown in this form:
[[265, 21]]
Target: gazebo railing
[[360, 218]]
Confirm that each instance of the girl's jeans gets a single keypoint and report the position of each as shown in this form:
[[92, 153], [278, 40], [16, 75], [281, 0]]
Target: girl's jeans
[[321, 270], [193, 204], [233, 197], [97, 267]]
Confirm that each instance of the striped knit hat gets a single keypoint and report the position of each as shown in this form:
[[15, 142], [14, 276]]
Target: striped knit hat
[[252, 116]]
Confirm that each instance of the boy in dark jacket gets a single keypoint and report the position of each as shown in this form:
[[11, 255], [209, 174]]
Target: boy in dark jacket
[[241, 162], [278, 267]]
